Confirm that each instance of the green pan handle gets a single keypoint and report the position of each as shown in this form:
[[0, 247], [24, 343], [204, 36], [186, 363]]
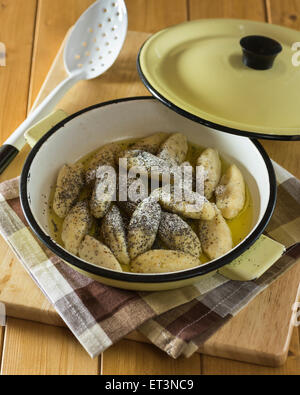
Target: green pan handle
[[255, 261], [37, 131]]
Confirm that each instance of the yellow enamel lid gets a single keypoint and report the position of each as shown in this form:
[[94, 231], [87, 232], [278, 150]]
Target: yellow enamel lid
[[197, 69]]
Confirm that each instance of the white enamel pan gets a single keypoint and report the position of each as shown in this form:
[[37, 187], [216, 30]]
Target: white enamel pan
[[95, 126]]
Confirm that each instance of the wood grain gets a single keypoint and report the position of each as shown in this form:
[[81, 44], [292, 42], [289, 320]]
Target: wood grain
[[242, 9], [29, 346], [17, 21], [36, 349], [151, 15], [286, 13], [259, 329], [130, 358], [53, 22], [284, 153], [20, 294], [219, 366]]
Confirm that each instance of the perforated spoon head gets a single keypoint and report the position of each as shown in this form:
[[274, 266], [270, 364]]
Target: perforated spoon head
[[96, 39]]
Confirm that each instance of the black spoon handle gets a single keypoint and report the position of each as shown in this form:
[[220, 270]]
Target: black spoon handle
[[7, 154]]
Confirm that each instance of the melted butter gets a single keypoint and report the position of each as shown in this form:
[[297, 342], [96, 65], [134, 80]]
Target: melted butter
[[240, 226]]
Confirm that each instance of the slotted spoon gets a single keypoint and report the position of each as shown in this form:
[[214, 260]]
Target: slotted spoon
[[91, 49]]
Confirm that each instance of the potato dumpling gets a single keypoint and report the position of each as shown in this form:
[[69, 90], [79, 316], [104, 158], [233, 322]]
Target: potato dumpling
[[93, 251], [145, 163], [151, 143], [103, 194], [70, 181], [106, 156], [143, 227], [163, 261], [231, 193], [215, 236], [174, 150], [211, 163], [185, 216], [194, 206], [75, 226], [114, 236], [178, 235]]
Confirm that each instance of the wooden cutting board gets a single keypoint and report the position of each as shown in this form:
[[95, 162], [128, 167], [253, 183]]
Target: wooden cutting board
[[259, 334]]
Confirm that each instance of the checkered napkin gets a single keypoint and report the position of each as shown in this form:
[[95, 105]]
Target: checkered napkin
[[176, 321]]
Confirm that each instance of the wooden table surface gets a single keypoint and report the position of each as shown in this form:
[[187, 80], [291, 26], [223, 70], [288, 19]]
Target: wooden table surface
[[32, 31]]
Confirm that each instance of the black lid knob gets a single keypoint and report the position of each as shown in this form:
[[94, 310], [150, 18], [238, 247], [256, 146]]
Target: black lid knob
[[260, 52]]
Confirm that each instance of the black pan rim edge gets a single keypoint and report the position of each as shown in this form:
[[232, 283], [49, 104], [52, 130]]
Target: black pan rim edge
[[132, 277], [202, 121]]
